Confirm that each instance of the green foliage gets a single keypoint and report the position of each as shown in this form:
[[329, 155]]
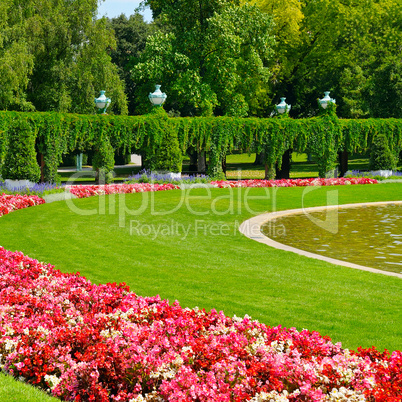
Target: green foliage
[[210, 57], [385, 89], [356, 56], [381, 157], [57, 134], [16, 61], [131, 35], [54, 56], [103, 160], [168, 156], [353, 84], [20, 158], [326, 140], [215, 57], [164, 152]]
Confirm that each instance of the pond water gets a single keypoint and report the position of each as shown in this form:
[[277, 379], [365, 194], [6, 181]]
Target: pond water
[[369, 235]]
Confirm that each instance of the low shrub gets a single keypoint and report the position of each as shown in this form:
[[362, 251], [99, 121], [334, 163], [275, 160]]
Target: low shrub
[[381, 157], [20, 158], [163, 152], [357, 173], [103, 161], [39, 189]]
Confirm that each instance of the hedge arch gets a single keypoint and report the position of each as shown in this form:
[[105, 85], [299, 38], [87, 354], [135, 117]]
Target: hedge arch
[[57, 134]]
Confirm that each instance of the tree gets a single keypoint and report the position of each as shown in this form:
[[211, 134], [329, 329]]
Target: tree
[[381, 157], [211, 59], [374, 60], [131, 35], [20, 159], [63, 53], [287, 29], [16, 62], [92, 70], [349, 47]]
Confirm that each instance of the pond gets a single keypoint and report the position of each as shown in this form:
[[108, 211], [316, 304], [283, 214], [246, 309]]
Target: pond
[[368, 235]]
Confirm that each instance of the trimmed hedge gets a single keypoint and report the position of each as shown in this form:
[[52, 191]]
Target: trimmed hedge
[[56, 134], [381, 157], [20, 156]]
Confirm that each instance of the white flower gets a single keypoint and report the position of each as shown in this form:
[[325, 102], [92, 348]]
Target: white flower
[[9, 331], [278, 346], [148, 397], [10, 344], [52, 380], [110, 333], [163, 372], [237, 319], [178, 361], [345, 395], [272, 396]]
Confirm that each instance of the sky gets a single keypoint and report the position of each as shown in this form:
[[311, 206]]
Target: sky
[[113, 8]]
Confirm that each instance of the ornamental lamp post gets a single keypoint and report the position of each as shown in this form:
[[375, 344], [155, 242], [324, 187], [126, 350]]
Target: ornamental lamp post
[[158, 97], [326, 100], [283, 107], [102, 102]]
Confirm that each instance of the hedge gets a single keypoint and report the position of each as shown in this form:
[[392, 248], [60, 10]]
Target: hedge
[[57, 134]]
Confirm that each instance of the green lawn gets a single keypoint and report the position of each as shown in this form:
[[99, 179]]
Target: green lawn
[[211, 268], [300, 167], [111, 239], [12, 390], [239, 166], [121, 173], [242, 166]]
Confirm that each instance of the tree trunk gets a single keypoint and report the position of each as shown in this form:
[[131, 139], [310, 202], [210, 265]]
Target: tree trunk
[[343, 162], [284, 171], [259, 158], [193, 161], [42, 168], [201, 162], [269, 172]]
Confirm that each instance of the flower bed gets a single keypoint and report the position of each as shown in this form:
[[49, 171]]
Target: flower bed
[[294, 182], [87, 342], [12, 202], [91, 190]]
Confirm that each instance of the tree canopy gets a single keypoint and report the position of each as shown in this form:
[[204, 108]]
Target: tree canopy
[[210, 56], [16, 61], [131, 36], [352, 48]]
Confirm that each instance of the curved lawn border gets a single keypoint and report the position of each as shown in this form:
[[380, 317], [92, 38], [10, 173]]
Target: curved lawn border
[[85, 342], [13, 202], [83, 191], [81, 341], [248, 228]]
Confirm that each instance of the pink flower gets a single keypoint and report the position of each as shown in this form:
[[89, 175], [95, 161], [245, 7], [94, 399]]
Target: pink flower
[[12, 202], [102, 342]]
